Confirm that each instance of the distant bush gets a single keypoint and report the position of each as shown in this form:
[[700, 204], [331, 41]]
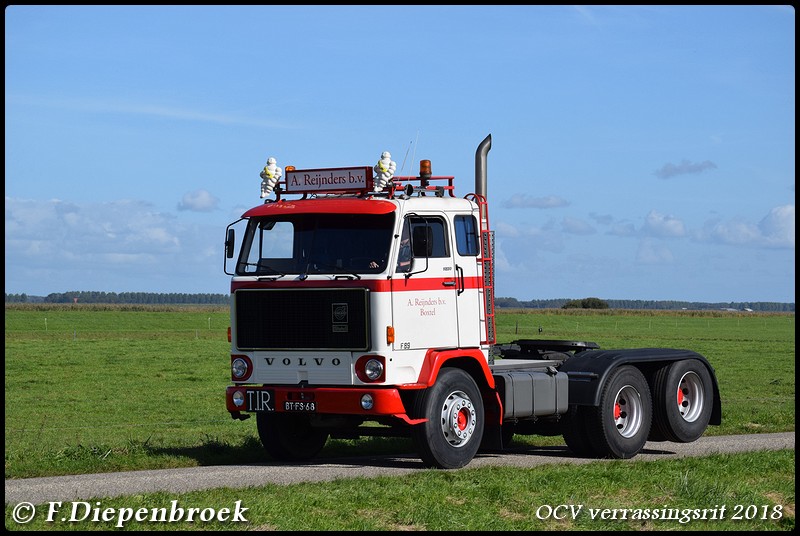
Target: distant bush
[[586, 303]]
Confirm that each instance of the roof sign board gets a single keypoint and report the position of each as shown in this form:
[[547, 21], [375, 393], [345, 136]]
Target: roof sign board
[[329, 180]]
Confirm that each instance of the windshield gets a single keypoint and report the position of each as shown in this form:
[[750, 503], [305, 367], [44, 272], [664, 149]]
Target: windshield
[[316, 244]]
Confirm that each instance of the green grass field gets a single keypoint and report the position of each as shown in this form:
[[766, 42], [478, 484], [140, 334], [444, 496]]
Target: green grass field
[[98, 389]]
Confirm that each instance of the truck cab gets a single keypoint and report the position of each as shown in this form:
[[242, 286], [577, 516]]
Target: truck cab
[[359, 308]]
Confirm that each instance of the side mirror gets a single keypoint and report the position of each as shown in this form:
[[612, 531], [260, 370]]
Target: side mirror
[[230, 241], [422, 241]]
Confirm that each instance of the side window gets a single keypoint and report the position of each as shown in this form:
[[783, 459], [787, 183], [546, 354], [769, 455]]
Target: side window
[[466, 236], [428, 237], [277, 239], [404, 256], [270, 248]]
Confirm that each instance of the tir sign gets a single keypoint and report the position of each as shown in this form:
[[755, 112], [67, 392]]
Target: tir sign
[[329, 180]]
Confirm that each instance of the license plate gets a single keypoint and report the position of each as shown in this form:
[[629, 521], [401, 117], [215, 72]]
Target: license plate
[[261, 400], [296, 405]]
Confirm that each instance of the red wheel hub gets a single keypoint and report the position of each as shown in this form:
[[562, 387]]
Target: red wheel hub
[[463, 418]]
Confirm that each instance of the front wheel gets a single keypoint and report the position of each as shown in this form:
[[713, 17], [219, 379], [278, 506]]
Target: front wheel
[[289, 437], [619, 426], [453, 408], [682, 400]]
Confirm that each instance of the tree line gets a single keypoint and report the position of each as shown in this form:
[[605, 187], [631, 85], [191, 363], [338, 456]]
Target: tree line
[[149, 298], [673, 305], [178, 298]]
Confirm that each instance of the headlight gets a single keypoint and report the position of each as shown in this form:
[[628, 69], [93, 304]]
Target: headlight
[[239, 368], [373, 369], [238, 399]]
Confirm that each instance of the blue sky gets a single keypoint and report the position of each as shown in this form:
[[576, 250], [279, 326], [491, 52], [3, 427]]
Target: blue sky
[[637, 152]]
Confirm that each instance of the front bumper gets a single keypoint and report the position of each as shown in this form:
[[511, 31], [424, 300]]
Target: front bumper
[[322, 400]]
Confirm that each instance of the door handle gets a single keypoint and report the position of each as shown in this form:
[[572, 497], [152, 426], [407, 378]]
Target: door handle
[[449, 283]]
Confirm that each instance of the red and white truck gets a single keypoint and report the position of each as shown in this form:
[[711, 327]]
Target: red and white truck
[[360, 309]]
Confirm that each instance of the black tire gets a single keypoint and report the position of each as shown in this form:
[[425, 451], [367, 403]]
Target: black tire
[[454, 408], [683, 397], [289, 437], [507, 433], [619, 426], [575, 429]]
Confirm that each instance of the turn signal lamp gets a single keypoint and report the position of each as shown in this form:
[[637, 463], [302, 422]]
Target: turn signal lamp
[[389, 334]]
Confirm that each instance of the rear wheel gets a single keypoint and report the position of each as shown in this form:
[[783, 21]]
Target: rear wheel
[[682, 400], [619, 426], [454, 408], [289, 437]]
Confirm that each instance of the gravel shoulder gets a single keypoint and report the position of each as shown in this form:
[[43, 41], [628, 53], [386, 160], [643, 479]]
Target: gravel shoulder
[[105, 485]]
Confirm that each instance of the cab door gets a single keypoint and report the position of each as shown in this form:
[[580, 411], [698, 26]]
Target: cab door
[[469, 293], [424, 290]]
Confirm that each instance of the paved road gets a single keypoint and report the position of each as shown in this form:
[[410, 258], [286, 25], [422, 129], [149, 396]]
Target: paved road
[[99, 486]]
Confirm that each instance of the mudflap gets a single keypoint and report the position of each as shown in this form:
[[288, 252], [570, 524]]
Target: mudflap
[[492, 440]]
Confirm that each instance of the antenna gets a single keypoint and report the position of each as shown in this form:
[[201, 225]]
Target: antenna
[[414, 154], [403, 166]]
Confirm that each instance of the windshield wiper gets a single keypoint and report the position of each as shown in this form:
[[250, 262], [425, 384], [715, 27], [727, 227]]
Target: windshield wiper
[[337, 275], [275, 274]]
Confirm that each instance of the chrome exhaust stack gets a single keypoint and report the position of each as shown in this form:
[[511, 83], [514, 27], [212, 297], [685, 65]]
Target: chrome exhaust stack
[[480, 166]]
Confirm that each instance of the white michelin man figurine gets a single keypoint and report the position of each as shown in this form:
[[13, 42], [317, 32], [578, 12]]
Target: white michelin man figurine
[[384, 170], [270, 176]]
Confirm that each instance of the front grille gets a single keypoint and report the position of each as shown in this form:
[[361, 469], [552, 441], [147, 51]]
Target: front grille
[[302, 319]]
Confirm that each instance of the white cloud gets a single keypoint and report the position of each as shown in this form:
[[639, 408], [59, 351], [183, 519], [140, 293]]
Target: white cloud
[[653, 252], [777, 227], [622, 229], [198, 201], [671, 170], [735, 232], [55, 246], [526, 201], [506, 230], [657, 224], [577, 226], [502, 263], [604, 219], [146, 109], [775, 230]]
